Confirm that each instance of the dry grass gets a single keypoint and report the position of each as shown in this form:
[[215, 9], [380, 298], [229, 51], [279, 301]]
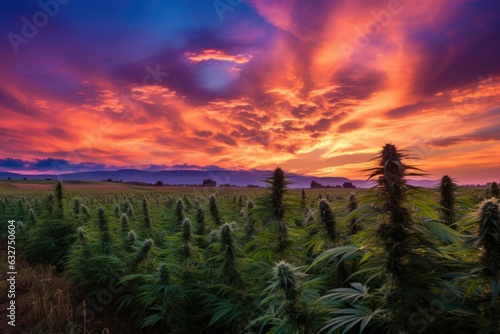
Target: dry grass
[[46, 301]]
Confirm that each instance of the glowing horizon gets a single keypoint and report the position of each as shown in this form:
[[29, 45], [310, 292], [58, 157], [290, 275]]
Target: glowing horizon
[[314, 87]]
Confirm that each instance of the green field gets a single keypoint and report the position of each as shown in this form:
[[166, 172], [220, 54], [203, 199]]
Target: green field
[[94, 257]]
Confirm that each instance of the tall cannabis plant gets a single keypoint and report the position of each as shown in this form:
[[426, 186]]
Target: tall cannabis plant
[[124, 223], [179, 212], [142, 254], [353, 205], [397, 263], [214, 210], [489, 245], [145, 212], [76, 206], [291, 303], [200, 222], [102, 224], [59, 208], [447, 189], [229, 258], [274, 210], [250, 222], [328, 220]]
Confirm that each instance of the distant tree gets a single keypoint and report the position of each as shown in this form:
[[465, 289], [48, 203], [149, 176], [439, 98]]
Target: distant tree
[[159, 184], [315, 184], [348, 185], [209, 183]]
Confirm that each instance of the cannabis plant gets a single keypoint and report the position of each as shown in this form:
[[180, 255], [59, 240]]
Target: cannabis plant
[[214, 210], [124, 223], [102, 224], [145, 212], [353, 223], [200, 222], [448, 189]]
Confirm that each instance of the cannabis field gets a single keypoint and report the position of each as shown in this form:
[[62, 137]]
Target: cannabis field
[[391, 259]]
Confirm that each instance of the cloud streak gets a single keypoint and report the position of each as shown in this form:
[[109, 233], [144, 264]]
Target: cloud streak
[[219, 55]]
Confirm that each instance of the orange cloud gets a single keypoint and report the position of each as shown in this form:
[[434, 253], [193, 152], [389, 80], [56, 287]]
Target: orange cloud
[[211, 54]]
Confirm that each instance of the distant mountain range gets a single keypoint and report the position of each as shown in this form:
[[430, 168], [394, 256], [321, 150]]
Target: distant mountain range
[[240, 178]]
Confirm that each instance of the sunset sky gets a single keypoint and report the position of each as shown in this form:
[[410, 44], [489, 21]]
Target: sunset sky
[[316, 87]]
